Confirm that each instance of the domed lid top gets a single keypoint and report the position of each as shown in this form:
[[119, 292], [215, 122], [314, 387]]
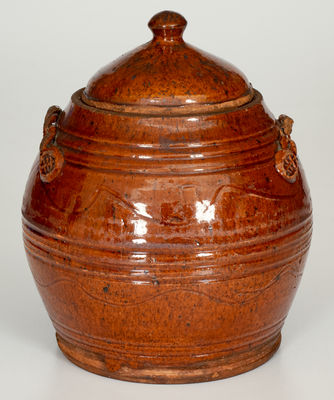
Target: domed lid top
[[167, 75]]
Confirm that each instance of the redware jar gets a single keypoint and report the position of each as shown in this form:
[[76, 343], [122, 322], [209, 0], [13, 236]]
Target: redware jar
[[167, 219]]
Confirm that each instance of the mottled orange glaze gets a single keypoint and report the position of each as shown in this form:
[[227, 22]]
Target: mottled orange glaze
[[167, 246]]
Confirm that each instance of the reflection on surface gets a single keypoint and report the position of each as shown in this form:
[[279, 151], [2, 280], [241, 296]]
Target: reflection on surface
[[140, 225], [196, 155], [138, 241], [206, 254], [205, 212], [141, 209]]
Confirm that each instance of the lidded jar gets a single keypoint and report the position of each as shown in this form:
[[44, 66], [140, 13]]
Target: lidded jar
[[167, 218]]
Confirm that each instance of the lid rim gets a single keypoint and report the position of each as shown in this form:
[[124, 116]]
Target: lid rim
[[183, 109]]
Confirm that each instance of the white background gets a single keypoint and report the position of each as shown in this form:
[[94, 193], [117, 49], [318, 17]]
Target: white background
[[49, 49]]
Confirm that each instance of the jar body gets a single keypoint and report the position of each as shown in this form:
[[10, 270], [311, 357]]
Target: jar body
[[167, 249]]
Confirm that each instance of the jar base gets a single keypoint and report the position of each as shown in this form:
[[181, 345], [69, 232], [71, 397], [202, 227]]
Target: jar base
[[224, 367]]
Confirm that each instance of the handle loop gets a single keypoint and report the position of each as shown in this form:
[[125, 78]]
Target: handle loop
[[286, 161], [51, 159]]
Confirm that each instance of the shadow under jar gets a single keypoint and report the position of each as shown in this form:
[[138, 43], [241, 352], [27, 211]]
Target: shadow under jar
[[167, 218]]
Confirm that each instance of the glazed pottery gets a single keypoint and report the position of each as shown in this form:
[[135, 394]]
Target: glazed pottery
[[167, 218]]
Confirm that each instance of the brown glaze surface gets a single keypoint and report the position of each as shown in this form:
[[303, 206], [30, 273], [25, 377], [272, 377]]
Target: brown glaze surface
[[167, 247]]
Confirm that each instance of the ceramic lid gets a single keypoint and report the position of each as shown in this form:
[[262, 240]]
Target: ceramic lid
[[168, 76]]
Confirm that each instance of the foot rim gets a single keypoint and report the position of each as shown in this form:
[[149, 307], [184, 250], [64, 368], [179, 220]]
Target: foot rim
[[221, 368]]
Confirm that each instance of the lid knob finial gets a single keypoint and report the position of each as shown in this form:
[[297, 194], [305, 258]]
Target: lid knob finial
[[167, 26]]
